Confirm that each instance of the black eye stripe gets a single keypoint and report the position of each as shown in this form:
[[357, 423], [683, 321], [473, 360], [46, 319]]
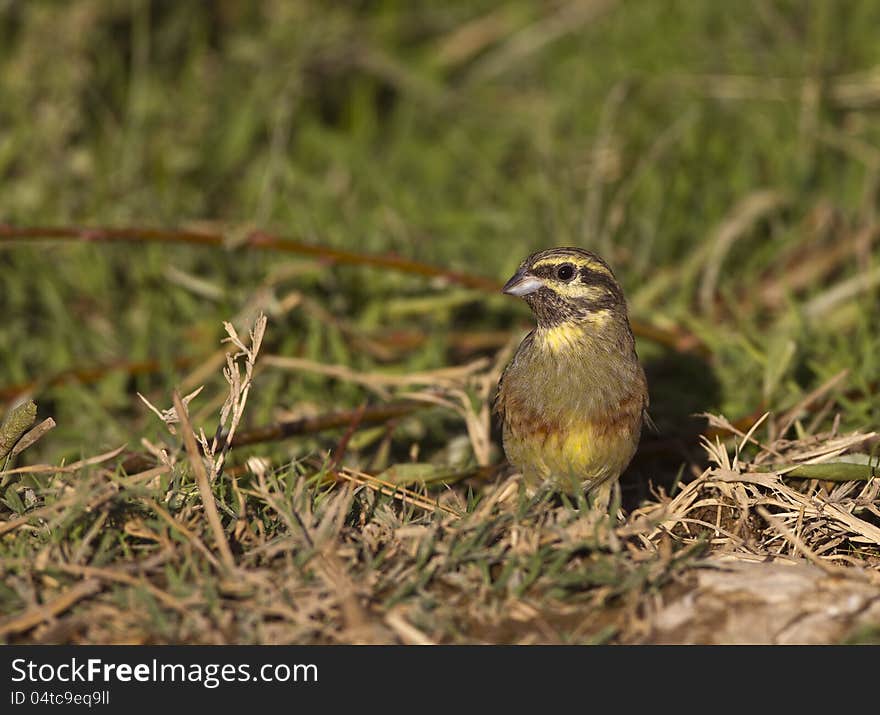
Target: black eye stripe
[[601, 280], [586, 275]]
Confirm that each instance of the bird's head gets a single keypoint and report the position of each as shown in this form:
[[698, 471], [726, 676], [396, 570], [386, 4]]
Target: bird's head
[[567, 284]]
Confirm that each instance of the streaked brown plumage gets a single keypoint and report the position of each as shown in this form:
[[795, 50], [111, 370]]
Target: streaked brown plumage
[[573, 398]]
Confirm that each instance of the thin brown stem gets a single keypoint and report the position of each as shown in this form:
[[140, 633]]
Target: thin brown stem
[[678, 339]]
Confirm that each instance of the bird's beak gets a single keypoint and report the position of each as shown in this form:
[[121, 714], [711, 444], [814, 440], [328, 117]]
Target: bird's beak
[[521, 283]]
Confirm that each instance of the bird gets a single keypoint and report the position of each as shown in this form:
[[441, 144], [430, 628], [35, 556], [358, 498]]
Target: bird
[[574, 396]]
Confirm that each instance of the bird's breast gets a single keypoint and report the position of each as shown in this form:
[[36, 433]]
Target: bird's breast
[[571, 411], [577, 451]]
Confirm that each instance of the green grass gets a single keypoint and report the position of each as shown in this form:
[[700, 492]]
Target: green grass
[[459, 134]]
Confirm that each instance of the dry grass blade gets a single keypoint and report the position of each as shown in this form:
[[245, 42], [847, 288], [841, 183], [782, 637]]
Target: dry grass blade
[[788, 419], [742, 217], [798, 543], [239, 389], [170, 417], [35, 616], [208, 457], [567, 19], [808, 268], [719, 422], [66, 468], [32, 436], [117, 576], [748, 438], [407, 632], [819, 526], [91, 501], [476, 421], [204, 484], [858, 90], [842, 292], [358, 625], [393, 490], [831, 448], [448, 377], [472, 37], [186, 533]]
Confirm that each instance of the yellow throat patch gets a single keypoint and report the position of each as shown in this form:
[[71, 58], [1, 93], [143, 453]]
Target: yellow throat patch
[[570, 334]]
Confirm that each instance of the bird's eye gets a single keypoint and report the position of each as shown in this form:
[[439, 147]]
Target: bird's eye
[[565, 272]]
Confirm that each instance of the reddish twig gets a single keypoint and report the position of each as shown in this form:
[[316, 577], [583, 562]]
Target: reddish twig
[[678, 340], [342, 445], [89, 375], [254, 239], [332, 420]]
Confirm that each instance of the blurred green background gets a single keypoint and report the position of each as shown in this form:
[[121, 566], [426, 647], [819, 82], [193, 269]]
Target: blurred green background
[[723, 156]]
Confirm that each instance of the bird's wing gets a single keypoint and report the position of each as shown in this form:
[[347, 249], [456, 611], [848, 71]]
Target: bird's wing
[[498, 400], [498, 403]]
